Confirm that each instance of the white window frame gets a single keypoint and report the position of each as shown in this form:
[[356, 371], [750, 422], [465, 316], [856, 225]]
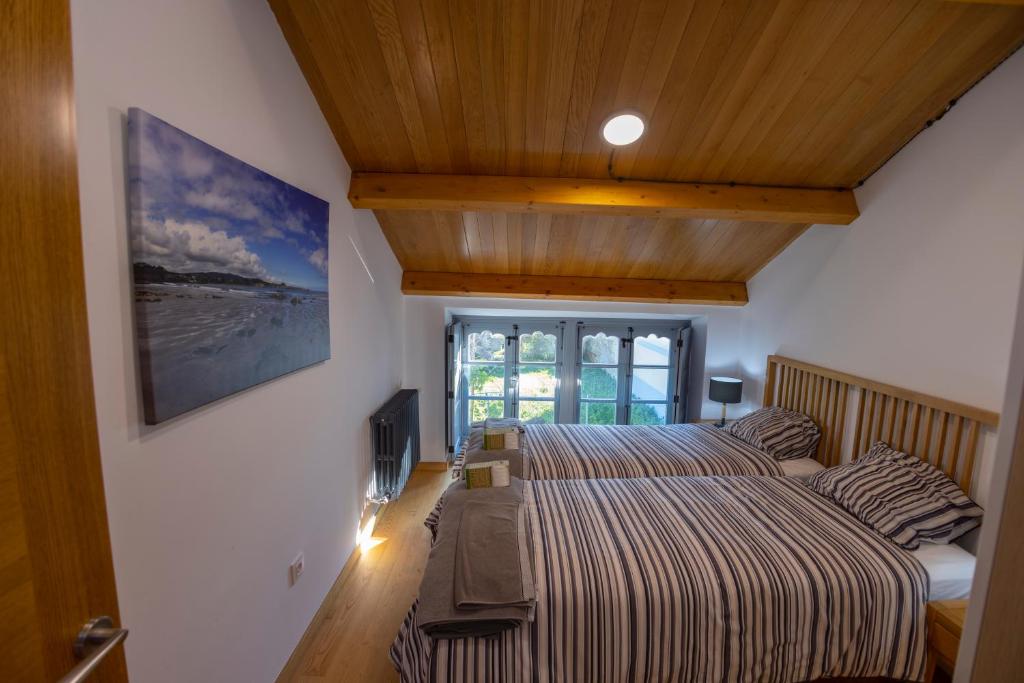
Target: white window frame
[[619, 331], [506, 329], [672, 388], [546, 327], [628, 332], [568, 365]]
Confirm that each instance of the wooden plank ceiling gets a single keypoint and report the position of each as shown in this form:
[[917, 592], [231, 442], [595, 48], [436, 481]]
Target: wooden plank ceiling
[[792, 94]]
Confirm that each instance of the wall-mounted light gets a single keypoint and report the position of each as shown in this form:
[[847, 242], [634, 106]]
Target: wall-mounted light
[[623, 129]]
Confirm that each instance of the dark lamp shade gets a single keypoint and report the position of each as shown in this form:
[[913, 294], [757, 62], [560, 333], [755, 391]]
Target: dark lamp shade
[[726, 390]]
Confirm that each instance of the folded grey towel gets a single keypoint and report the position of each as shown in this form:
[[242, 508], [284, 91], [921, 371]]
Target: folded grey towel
[[438, 615], [491, 567]]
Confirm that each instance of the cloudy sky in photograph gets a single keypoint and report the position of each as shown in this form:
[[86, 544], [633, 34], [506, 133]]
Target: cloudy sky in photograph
[[195, 208]]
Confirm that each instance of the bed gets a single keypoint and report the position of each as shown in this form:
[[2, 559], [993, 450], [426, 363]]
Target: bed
[[693, 579], [907, 419], [727, 578], [569, 451]]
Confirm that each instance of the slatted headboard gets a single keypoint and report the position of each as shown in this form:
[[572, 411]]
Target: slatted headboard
[[944, 433]]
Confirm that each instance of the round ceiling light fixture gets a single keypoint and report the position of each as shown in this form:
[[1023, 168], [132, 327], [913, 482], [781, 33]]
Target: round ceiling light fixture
[[623, 128]]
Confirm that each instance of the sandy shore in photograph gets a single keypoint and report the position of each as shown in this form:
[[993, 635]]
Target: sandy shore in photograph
[[202, 342]]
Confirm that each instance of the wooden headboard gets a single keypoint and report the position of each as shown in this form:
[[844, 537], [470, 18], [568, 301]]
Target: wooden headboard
[[943, 433]]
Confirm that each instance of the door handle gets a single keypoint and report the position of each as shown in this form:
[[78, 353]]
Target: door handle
[[94, 642]]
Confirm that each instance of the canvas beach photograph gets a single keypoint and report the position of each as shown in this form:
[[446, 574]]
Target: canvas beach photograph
[[229, 269]]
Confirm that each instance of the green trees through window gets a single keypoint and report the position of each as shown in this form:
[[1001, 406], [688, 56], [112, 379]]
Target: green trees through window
[[646, 414], [485, 370], [494, 376], [537, 347], [612, 371], [487, 346], [537, 380], [599, 379], [600, 350], [650, 389], [537, 412]]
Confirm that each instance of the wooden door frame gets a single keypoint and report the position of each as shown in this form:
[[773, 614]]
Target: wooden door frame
[[56, 570], [992, 644]]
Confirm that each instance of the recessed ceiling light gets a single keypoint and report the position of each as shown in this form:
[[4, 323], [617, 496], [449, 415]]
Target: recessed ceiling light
[[623, 129]]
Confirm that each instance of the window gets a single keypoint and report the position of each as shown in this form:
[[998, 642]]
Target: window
[[650, 380], [608, 372], [486, 380], [537, 377], [630, 374], [599, 379], [510, 370]]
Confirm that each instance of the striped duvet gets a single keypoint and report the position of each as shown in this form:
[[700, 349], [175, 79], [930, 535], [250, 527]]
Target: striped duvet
[[695, 579], [569, 451]]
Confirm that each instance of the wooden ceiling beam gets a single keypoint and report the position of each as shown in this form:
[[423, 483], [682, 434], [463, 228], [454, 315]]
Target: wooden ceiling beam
[[574, 288], [427, 192]]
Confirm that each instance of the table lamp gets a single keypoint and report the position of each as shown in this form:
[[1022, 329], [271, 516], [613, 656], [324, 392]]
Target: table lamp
[[725, 390]]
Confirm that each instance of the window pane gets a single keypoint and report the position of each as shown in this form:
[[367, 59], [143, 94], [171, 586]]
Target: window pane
[[486, 380], [599, 383], [651, 350], [537, 381], [600, 349], [537, 411], [597, 413], [650, 384], [481, 410], [537, 348], [486, 346], [648, 413]]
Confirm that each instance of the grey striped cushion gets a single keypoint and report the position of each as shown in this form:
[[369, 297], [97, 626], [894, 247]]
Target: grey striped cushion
[[902, 497], [783, 434]]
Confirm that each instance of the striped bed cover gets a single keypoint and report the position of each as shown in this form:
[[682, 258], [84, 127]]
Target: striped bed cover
[[695, 579], [569, 451]]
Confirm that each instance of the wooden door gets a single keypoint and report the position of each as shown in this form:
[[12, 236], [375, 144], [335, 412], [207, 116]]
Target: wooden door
[[55, 564], [999, 652]]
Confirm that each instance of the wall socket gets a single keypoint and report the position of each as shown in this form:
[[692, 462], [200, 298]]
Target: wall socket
[[295, 569]]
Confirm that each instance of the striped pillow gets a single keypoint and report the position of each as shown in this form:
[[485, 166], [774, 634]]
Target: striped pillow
[[783, 434], [901, 497]]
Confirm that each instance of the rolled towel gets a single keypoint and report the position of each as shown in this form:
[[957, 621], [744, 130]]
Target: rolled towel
[[503, 423], [476, 437], [516, 460], [492, 567], [489, 473]]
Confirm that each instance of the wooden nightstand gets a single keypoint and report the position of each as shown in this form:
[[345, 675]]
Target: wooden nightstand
[[945, 622]]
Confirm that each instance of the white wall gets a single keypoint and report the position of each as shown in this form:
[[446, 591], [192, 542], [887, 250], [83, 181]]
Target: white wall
[[207, 511], [920, 291]]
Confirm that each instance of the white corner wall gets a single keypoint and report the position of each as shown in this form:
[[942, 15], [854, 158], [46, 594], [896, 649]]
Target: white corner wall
[[207, 511], [921, 290]]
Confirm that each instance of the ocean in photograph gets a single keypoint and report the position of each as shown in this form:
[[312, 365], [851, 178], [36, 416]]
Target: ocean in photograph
[[229, 271]]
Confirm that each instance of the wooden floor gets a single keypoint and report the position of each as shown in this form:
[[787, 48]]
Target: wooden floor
[[349, 637]]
